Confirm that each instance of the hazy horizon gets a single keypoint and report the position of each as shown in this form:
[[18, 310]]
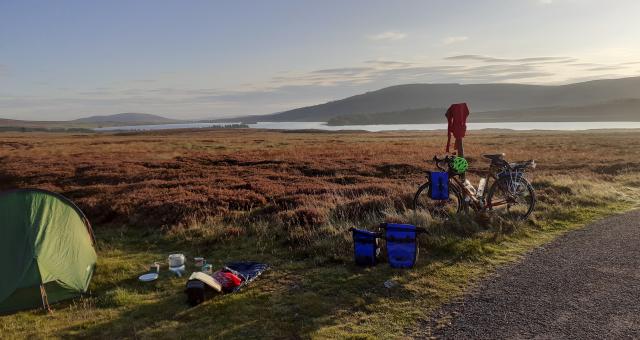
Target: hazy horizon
[[198, 60]]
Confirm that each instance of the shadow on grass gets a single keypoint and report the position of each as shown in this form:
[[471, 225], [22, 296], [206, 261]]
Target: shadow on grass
[[280, 304], [293, 299]]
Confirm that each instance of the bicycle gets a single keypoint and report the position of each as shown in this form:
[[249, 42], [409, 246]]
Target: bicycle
[[510, 195]]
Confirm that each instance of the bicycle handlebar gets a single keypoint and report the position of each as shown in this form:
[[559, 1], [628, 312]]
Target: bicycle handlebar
[[510, 166], [438, 161]]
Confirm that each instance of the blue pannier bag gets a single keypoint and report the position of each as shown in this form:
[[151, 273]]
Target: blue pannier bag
[[439, 188], [365, 247], [402, 248]]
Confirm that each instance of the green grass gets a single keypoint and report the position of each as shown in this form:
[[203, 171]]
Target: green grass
[[314, 292]]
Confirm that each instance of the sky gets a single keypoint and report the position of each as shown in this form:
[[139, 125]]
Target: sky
[[212, 59]]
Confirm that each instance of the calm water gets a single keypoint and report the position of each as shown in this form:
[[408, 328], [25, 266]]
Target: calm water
[[162, 127], [521, 126]]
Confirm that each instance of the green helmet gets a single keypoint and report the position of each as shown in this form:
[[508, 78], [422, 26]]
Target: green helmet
[[459, 164]]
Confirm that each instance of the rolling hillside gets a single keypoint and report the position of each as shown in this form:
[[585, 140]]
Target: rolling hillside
[[127, 119], [616, 110], [412, 116], [480, 97], [621, 110], [119, 119]]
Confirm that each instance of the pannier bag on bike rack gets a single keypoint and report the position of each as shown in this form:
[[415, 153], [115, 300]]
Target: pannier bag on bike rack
[[439, 188], [402, 248], [365, 247], [514, 178]]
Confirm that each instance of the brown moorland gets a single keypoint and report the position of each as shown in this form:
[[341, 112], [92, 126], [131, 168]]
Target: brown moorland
[[288, 198], [169, 179]]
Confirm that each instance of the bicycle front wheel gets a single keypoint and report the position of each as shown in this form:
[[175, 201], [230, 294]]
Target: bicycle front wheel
[[438, 209], [512, 198]]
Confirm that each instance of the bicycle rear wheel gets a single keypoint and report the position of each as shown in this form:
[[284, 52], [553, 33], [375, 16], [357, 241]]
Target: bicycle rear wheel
[[512, 199], [438, 209]]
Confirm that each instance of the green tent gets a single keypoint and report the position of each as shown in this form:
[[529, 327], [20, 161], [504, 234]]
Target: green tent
[[46, 250]]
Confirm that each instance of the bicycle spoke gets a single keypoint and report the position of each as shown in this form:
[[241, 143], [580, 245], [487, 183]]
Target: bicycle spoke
[[512, 198], [438, 209]]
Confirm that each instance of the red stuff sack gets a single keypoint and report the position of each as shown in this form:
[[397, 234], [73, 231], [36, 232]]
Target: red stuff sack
[[227, 280]]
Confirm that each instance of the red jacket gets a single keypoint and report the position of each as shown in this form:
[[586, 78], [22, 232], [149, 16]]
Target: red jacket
[[457, 118]]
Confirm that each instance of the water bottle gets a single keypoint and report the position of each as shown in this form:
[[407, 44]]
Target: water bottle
[[481, 186], [469, 187]]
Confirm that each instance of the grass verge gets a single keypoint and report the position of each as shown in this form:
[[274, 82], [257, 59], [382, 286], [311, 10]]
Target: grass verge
[[313, 290]]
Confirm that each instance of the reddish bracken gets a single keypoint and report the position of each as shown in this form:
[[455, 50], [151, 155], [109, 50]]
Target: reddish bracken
[[164, 179]]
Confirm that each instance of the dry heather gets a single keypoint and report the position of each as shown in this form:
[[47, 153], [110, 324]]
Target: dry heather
[[299, 181], [291, 197]]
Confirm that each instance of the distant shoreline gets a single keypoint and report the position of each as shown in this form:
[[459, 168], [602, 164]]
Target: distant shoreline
[[323, 126]]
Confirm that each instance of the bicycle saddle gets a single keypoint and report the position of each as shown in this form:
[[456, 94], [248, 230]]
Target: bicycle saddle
[[495, 157]]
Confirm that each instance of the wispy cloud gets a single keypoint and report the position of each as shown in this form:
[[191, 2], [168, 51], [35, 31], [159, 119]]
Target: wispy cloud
[[380, 73], [388, 63], [388, 36], [545, 2], [606, 68], [487, 59], [454, 39], [343, 70]]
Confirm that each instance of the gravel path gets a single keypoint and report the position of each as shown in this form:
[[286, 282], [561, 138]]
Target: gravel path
[[584, 285]]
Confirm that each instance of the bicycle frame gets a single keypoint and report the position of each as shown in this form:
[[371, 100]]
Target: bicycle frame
[[478, 203], [499, 173], [469, 197]]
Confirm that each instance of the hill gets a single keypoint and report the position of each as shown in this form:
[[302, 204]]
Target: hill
[[35, 125], [127, 119], [616, 110], [621, 110], [480, 97], [20, 123], [119, 119], [414, 116]]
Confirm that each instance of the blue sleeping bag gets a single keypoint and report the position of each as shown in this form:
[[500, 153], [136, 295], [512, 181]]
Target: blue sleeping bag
[[439, 188], [247, 271], [402, 248]]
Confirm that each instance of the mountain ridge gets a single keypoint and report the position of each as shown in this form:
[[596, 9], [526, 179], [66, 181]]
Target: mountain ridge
[[614, 110], [118, 119], [127, 117], [480, 97]]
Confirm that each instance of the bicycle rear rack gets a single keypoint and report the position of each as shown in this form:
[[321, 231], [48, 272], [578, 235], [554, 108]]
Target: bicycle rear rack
[[515, 179]]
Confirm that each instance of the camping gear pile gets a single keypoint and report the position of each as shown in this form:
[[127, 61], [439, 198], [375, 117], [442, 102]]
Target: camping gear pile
[[177, 266], [202, 284], [231, 278], [49, 245], [401, 245]]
